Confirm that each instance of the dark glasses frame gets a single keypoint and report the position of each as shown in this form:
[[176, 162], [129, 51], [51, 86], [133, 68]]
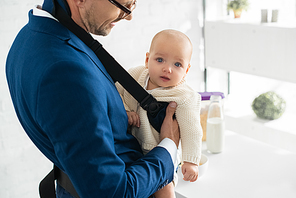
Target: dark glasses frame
[[120, 6]]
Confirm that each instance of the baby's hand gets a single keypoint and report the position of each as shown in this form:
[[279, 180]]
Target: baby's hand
[[190, 171], [133, 118]]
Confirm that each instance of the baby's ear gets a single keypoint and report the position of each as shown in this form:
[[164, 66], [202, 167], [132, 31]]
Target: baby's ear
[[188, 68], [147, 59]]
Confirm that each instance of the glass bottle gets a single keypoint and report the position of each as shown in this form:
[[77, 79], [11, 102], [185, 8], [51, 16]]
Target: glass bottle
[[215, 125]]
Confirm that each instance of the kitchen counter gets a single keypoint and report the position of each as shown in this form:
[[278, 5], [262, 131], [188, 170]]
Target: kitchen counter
[[247, 168]]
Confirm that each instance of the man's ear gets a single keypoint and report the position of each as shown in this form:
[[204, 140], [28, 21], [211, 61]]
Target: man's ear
[[79, 2], [147, 59]]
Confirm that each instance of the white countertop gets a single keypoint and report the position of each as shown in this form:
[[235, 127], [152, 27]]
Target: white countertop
[[247, 168]]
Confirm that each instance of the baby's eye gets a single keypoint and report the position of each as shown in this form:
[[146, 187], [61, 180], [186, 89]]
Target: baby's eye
[[159, 60], [178, 64]]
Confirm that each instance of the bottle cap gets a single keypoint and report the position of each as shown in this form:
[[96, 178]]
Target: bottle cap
[[207, 95], [215, 97]]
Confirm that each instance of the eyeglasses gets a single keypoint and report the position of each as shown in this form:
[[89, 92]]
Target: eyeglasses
[[127, 9]]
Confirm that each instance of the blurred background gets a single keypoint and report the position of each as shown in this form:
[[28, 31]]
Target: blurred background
[[22, 166]]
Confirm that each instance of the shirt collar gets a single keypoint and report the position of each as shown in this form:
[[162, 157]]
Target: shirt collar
[[37, 11]]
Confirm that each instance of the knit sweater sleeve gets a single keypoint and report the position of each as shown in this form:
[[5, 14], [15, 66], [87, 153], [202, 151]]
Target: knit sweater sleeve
[[188, 117]]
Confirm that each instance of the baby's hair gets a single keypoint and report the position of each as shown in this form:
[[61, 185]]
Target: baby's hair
[[171, 32]]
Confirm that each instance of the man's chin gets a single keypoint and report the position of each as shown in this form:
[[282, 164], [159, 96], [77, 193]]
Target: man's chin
[[104, 32]]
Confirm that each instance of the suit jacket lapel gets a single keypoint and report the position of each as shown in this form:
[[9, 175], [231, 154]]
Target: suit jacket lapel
[[75, 42], [50, 26]]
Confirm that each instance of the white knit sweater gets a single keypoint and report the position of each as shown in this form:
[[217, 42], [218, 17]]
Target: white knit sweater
[[187, 115]]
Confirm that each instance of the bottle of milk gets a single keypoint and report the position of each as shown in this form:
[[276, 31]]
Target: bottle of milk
[[215, 125]]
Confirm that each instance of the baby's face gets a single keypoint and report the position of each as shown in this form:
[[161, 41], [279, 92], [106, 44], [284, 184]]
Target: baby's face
[[168, 61]]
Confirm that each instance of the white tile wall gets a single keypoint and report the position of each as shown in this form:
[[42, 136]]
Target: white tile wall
[[22, 166]]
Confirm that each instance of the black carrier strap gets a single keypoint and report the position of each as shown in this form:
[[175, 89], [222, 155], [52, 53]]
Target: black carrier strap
[[47, 185], [115, 70]]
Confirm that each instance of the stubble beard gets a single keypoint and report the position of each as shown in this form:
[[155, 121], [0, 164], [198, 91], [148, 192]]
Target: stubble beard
[[91, 25]]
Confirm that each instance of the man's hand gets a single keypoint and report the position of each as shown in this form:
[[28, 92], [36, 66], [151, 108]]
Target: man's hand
[[190, 171], [170, 127], [133, 118]]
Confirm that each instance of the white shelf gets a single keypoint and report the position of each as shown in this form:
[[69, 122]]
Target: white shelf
[[240, 118], [266, 50], [261, 49]]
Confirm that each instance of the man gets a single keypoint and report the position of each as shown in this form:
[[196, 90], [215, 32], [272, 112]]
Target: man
[[69, 106]]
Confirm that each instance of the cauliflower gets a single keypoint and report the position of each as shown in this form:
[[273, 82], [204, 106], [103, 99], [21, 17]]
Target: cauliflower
[[269, 106]]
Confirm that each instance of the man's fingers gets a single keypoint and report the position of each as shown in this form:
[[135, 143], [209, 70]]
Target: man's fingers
[[171, 109], [169, 127]]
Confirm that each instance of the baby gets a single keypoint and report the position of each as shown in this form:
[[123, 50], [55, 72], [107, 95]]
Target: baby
[[166, 66]]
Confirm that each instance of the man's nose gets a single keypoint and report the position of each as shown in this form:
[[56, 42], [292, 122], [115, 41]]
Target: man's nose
[[129, 17]]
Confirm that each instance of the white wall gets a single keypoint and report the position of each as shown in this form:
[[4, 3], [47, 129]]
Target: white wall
[[130, 40], [22, 166]]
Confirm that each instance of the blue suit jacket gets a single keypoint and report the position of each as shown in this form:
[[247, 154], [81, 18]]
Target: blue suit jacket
[[70, 108]]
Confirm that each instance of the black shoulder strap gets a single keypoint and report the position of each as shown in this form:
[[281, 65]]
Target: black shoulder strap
[[115, 70], [155, 110], [47, 185]]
